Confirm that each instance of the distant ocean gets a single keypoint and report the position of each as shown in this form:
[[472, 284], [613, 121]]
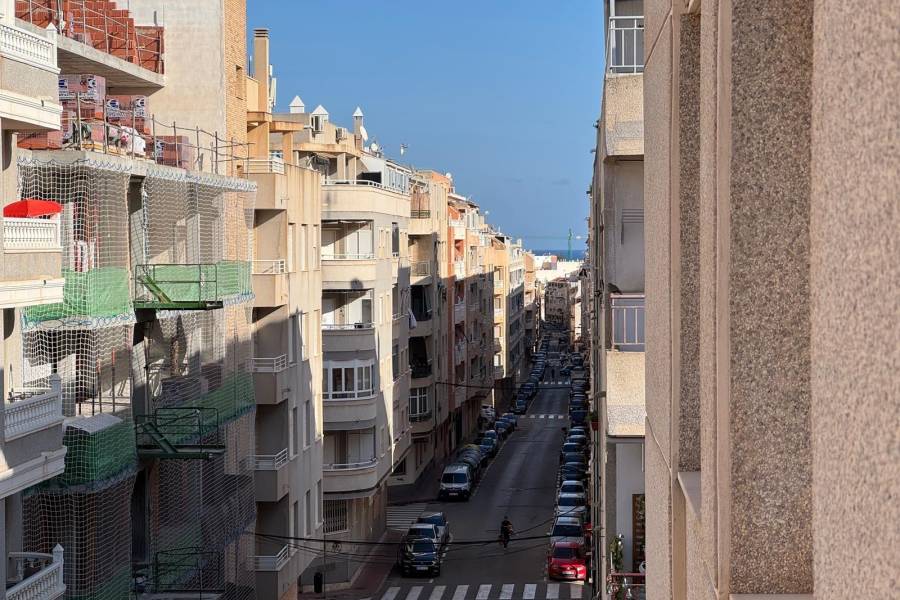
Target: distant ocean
[[577, 253]]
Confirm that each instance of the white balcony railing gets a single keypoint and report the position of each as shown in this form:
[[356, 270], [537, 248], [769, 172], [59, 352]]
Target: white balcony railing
[[275, 364], [627, 321], [625, 44], [46, 583], [31, 234], [274, 266], [265, 165], [352, 466], [459, 269], [28, 47], [275, 562], [348, 256], [346, 326], [32, 410], [269, 462]]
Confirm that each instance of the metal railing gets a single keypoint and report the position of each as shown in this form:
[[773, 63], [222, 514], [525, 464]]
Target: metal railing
[[269, 462], [275, 562], [347, 326], [626, 586], [273, 266], [364, 183], [625, 44], [114, 35], [420, 268], [418, 213], [349, 256], [35, 576], [33, 409], [420, 417], [28, 47], [421, 369], [349, 395], [261, 166], [350, 466], [274, 364], [627, 322], [31, 234]]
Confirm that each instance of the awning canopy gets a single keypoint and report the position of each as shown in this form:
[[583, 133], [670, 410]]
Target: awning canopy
[[32, 207]]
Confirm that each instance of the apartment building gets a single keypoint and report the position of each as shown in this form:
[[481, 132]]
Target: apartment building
[[429, 402], [532, 304], [560, 296], [771, 286], [615, 302], [365, 323], [31, 416], [506, 262], [149, 342], [287, 358]]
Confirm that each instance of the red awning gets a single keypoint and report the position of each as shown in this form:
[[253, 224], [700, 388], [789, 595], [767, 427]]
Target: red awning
[[32, 207]]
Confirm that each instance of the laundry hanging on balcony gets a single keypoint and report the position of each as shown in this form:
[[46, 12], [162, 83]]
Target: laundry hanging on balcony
[[30, 208]]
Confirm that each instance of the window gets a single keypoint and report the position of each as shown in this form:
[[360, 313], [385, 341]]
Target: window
[[395, 361], [418, 403], [293, 337], [292, 236], [395, 239], [400, 469], [294, 426], [304, 346], [348, 379], [295, 517], [304, 237], [335, 516], [315, 247], [308, 506], [307, 423], [319, 514]]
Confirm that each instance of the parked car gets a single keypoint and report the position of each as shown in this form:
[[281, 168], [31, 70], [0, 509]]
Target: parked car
[[488, 446], [572, 487], [503, 429], [457, 481], [419, 556], [513, 418], [509, 422], [570, 448], [439, 520], [473, 458], [572, 505], [577, 417], [574, 438], [492, 433], [567, 529], [521, 407], [567, 560], [565, 371], [576, 457], [427, 531]]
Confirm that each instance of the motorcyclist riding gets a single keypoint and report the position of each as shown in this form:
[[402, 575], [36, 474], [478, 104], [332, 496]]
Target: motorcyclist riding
[[506, 530]]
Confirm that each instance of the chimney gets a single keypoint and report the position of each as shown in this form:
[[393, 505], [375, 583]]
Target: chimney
[[297, 107], [357, 121], [261, 66]]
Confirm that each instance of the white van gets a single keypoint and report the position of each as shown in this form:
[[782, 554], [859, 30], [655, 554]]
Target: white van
[[456, 482]]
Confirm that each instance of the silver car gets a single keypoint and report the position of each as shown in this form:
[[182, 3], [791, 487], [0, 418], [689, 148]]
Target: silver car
[[572, 505], [567, 529]]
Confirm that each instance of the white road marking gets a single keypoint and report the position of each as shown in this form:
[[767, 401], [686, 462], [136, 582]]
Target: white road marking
[[483, 592], [552, 591], [460, 593], [414, 593], [530, 590], [574, 591], [541, 416], [438, 592], [391, 593], [507, 591]]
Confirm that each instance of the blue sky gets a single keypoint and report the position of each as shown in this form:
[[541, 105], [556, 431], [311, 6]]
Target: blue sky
[[503, 94]]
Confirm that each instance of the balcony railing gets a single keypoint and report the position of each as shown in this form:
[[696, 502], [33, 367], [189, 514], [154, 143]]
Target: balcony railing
[[346, 326], [26, 46], [35, 576], [625, 44], [459, 269], [349, 395], [275, 562], [420, 417], [262, 166], [31, 234], [420, 268], [627, 322], [420, 369], [626, 586], [273, 266], [33, 409], [365, 183], [422, 314], [349, 256], [269, 462], [420, 213], [352, 466], [459, 311], [275, 364]]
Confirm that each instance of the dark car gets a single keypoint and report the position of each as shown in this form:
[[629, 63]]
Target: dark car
[[521, 407], [570, 448], [507, 418], [529, 389], [419, 556], [439, 520], [565, 371], [512, 417], [575, 470], [574, 438], [488, 446], [577, 417], [503, 429]]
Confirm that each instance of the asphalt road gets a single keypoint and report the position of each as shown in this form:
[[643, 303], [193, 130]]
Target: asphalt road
[[520, 482]]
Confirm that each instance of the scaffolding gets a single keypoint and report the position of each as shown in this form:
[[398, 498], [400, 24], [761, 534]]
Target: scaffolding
[[163, 398]]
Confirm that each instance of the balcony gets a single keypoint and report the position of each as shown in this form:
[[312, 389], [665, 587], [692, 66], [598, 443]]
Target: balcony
[[459, 352], [261, 166], [270, 284], [35, 576], [419, 272], [626, 314], [499, 372], [352, 410], [625, 44], [459, 269], [460, 393], [360, 199], [270, 378], [203, 286], [276, 573], [458, 227], [626, 585], [32, 409], [420, 221], [273, 189], [343, 478], [31, 235], [271, 475], [459, 312], [349, 271], [348, 337], [420, 369]]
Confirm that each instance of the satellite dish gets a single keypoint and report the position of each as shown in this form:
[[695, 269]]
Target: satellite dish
[[364, 133], [374, 147]]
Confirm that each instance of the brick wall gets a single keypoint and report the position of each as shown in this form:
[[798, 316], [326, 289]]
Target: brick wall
[[236, 71]]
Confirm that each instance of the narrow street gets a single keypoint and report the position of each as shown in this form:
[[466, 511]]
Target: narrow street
[[521, 484]]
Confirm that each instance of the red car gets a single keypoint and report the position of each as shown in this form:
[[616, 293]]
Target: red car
[[567, 560]]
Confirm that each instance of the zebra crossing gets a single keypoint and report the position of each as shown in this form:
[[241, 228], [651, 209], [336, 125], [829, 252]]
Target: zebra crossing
[[545, 416], [487, 591], [401, 517]]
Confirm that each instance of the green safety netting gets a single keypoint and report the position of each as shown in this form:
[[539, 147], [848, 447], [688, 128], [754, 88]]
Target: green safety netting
[[101, 292], [192, 283], [97, 448]]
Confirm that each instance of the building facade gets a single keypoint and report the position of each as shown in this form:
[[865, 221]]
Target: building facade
[[771, 407]]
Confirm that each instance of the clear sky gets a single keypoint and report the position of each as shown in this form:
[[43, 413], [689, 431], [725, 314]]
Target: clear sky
[[503, 94]]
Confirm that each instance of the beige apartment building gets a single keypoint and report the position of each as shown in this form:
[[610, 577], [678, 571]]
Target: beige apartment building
[[287, 358], [614, 307], [532, 305], [506, 262], [772, 282], [365, 322]]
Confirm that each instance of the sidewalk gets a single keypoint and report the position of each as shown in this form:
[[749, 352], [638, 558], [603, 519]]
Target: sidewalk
[[425, 488], [369, 579]]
